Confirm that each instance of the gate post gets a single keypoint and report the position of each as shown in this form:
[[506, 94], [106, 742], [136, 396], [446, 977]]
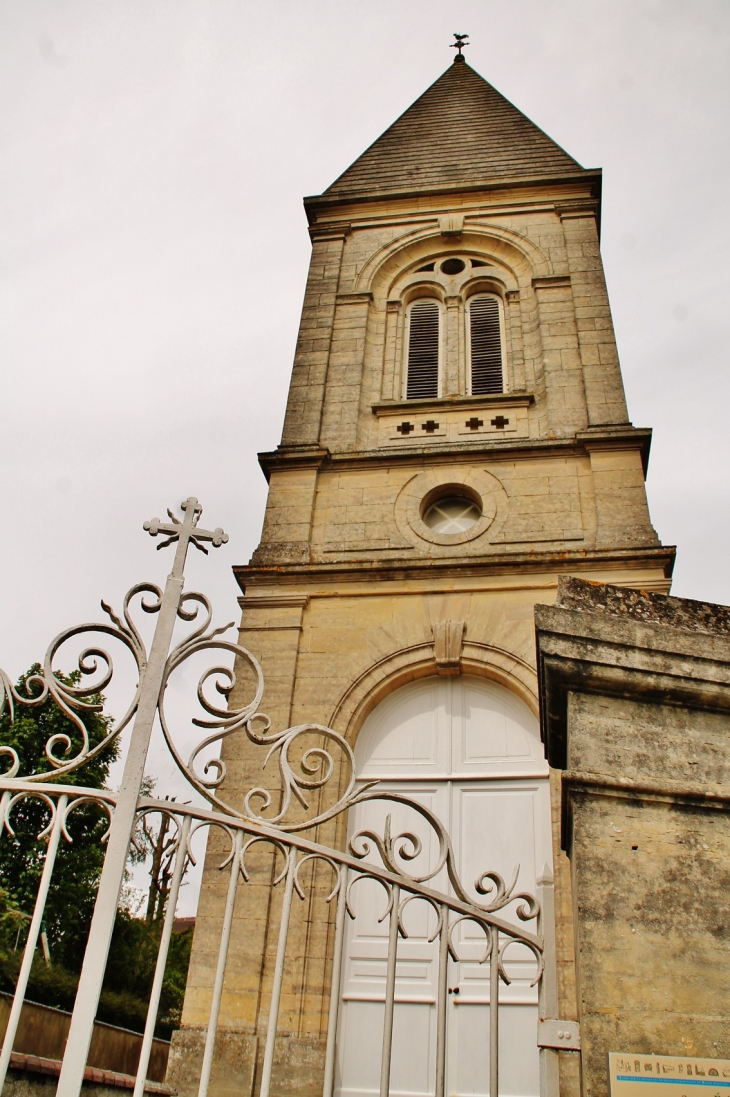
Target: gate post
[[547, 1002], [112, 876]]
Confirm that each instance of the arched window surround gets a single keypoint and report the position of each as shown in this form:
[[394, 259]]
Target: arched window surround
[[485, 276]]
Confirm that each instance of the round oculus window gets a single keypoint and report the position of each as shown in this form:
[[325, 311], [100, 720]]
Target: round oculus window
[[452, 514], [453, 266]]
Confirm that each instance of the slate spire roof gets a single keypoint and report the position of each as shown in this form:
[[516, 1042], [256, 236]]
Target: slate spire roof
[[461, 131]]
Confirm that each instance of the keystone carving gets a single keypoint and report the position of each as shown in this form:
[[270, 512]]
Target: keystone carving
[[448, 643], [451, 224]]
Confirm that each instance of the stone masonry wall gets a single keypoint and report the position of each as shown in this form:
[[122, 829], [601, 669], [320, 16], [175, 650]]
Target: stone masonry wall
[[635, 708]]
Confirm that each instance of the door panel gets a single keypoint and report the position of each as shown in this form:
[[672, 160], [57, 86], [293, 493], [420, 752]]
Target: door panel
[[444, 727], [408, 734], [366, 949], [493, 731], [469, 1051]]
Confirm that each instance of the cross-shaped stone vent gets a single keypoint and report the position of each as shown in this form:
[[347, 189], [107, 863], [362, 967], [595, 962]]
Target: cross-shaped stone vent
[[405, 428], [500, 422], [429, 426], [474, 423]]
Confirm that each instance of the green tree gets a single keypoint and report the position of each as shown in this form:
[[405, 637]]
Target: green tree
[[75, 879], [133, 955], [130, 971], [12, 923]]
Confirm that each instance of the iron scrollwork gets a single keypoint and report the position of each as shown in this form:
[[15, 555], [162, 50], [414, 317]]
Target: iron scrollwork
[[308, 757]]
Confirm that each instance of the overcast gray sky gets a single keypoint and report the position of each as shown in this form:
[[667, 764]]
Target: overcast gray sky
[[154, 253]]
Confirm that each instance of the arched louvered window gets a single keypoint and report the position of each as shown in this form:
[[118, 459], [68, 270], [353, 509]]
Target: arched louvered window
[[422, 379], [485, 343]]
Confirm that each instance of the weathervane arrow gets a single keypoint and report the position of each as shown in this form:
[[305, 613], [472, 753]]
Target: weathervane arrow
[[459, 43]]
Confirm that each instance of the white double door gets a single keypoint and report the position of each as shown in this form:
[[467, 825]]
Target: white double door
[[469, 750]]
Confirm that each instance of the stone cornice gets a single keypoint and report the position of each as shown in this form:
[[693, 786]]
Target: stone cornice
[[474, 214], [682, 794], [623, 654], [273, 601], [691, 793], [496, 563], [325, 202], [318, 457], [329, 230], [616, 437], [577, 208], [293, 457]]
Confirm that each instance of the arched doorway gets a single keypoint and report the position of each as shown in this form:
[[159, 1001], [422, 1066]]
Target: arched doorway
[[469, 750]]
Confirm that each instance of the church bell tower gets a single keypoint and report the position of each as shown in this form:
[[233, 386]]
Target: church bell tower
[[456, 439]]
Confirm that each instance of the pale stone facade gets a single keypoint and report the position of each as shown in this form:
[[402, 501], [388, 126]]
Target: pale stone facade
[[350, 594]]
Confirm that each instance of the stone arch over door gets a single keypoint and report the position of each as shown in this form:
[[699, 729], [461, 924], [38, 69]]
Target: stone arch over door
[[417, 661], [469, 749]]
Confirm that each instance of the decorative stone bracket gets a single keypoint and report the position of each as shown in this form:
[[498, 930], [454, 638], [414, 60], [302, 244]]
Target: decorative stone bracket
[[448, 643]]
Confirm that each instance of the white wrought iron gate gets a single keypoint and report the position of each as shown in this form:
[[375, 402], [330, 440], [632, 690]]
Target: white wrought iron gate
[[377, 857]]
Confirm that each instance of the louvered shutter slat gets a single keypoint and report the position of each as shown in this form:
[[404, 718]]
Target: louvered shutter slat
[[423, 351], [486, 346]]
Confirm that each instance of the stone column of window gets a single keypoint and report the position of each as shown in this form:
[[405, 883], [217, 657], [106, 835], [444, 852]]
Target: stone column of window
[[450, 382], [515, 357], [392, 375]]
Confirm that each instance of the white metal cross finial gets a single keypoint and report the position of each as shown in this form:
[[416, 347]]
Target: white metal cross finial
[[185, 531]]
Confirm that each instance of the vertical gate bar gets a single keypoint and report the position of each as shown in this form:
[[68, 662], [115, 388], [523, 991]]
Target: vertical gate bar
[[443, 979], [115, 861], [220, 970], [329, 1061], [30, 945], [494, 1015], [149, 1028], [390, 994], [278, 975], [548, 987], [3, 808]]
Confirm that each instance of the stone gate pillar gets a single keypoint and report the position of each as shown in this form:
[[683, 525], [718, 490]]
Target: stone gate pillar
[[635, 710]]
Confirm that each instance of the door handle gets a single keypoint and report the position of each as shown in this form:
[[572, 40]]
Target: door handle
[[453, 990]]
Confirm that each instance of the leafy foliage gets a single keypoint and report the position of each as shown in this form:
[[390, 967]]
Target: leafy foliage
[[131, 967], [128, 980], [70, 905], [12, 923], [78, 867]]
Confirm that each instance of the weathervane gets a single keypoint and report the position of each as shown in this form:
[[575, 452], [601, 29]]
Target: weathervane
[[459, 43]]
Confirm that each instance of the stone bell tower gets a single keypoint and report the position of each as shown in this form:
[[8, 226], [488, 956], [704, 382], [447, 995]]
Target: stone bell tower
[[456, 439]]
